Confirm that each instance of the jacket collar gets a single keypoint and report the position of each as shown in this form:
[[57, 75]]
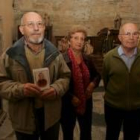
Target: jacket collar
[[116, 54], [17, 52]]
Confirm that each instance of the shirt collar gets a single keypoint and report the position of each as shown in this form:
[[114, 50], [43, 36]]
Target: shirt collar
[[121, 52]]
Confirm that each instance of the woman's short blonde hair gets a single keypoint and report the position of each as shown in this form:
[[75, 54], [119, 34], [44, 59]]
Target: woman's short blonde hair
[[75, 29]]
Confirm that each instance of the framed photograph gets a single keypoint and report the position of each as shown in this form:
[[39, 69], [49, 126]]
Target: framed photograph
[[42, 78]]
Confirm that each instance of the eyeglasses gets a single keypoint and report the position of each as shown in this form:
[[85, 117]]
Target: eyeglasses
[[33, 24], [128, 34]]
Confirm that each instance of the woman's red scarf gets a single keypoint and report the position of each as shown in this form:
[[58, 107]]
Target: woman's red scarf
[[81, 79]]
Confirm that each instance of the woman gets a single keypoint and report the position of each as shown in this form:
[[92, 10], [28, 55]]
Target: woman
[[77, 102]]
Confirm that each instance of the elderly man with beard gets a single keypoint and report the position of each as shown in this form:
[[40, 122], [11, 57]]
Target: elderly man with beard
[[34, 113]]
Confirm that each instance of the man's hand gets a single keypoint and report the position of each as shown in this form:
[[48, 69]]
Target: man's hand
[[31, 90], [48, 94]]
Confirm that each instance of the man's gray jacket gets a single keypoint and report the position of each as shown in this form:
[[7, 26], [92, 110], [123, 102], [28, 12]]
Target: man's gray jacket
[[15, 71]]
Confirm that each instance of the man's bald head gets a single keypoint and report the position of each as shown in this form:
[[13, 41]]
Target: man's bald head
[[127, 26], [28, 15]]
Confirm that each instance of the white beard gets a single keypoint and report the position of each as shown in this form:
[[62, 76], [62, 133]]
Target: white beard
[[36, 41]]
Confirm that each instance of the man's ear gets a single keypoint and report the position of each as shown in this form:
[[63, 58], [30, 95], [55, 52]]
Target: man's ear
[[21, 29], [119, 37]]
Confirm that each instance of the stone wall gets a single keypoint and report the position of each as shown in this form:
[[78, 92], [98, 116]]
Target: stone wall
[[94, 14], [6, 24], [0, 35]]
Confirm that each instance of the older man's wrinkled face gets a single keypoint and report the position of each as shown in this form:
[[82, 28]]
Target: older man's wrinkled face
[[32, 27], [129, 36]]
